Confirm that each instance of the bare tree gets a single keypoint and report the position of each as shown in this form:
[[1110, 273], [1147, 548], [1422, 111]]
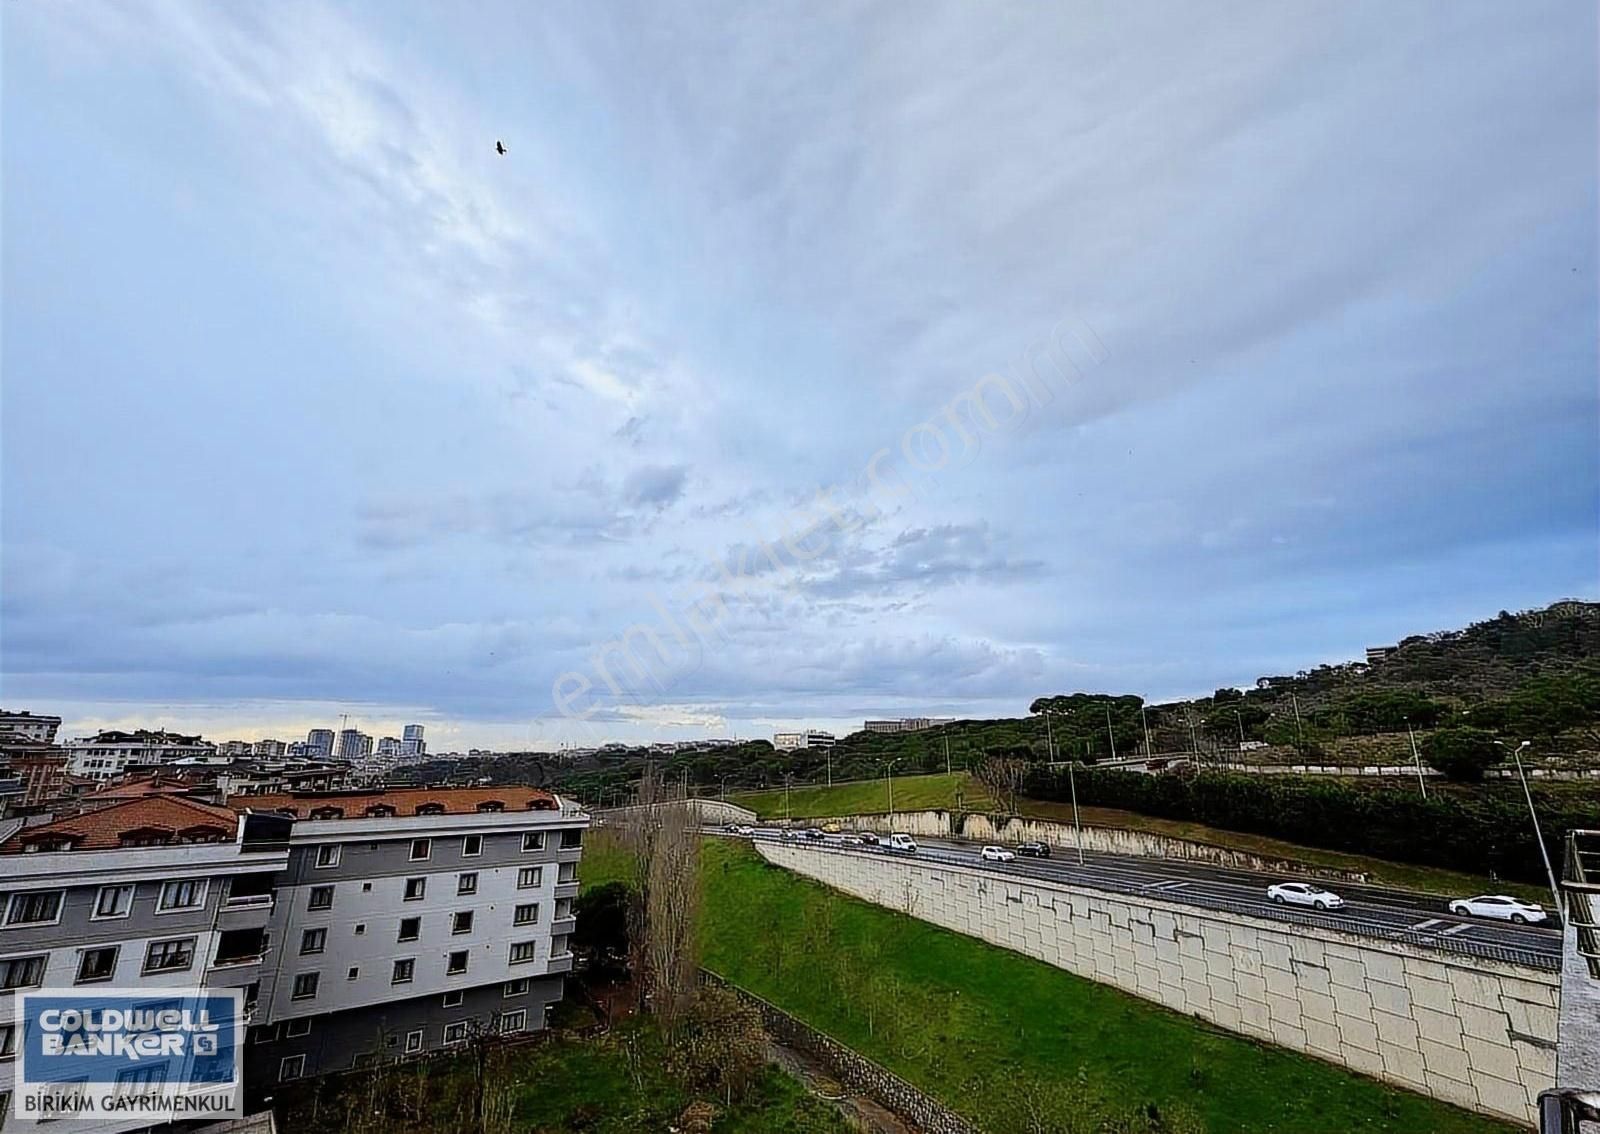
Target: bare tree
[[663, 833], [1001, 777]]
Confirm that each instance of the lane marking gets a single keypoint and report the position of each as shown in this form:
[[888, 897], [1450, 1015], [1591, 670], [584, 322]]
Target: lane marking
[[1455, 929], [1432, 921]]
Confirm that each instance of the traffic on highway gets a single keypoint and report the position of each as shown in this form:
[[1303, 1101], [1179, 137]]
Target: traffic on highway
[[1493, 926]]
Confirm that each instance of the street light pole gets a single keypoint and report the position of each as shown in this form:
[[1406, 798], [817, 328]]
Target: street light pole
[[1072, 782], [1417, 758], [1544, 853], [889, 774], [1110, 736], [1145, 720]]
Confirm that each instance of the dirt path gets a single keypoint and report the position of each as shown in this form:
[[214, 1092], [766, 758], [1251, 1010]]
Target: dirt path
[[867, 1114]]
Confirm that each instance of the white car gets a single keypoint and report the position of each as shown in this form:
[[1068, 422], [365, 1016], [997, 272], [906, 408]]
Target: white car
[[899, 842], [744, 829], [1304, 894], [997, 854], [1500, 906]]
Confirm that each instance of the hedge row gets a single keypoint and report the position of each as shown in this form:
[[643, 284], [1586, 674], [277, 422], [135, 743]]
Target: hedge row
[[1486, 831]]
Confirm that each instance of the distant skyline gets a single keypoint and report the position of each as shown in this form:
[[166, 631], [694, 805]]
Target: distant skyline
[[311, 403]]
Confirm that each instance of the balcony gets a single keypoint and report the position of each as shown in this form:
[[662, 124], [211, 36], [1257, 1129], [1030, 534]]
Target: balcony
[[245, 912], [238, 957], [560, 964], [564, 924]]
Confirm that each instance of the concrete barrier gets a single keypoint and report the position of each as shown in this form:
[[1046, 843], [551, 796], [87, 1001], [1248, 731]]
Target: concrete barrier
[[1103, 840], [706, 811], [1476, 1033]]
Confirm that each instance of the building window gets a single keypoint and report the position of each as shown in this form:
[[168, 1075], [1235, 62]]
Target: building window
[[467, 883], [97, 964], [518, 987], [353, 974], [313, 941], [328, 855], [410, 929], [415, 889], [8, 1041], [558, 945], [41, 908], [421, 849], [292, 1067], [113, 901], [21, 972], [404, 970], [321, 898], [471, 846], [414, 1042], [524, 951], [294, 1029], [514, 1021], [169, 956], [361, 928], [184, 894], [571, 839], [455, 1033], [457, 963], [530, 877], [462, 923], [526, 914], [305, 986], [533, 840], [452, 999]]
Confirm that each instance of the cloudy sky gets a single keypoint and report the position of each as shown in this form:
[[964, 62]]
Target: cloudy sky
[[313, 404]]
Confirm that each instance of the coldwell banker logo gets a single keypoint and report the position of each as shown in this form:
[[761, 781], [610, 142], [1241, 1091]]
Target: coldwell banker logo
[[162, 1055]]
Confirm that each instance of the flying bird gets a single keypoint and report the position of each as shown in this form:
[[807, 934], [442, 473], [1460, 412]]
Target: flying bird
[[500, 148]]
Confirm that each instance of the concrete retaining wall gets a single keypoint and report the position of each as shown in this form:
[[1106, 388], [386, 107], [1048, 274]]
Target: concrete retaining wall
[[1106, 840], [706, 810], [1471, 1032]]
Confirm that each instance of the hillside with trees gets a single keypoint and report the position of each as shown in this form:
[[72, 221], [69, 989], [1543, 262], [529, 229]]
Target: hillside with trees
[[1530, 676]]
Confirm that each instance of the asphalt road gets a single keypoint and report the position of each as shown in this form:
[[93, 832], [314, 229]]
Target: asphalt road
[[1422, 919]]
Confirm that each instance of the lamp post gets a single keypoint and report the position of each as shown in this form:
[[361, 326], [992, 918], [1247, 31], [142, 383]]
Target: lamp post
[[1072, 781], [1544, 853], [724, 793], [787, 780], [1415, 756], [888, 769]]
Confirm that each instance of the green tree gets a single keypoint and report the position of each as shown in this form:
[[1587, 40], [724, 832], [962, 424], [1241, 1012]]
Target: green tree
[[1462, 754]]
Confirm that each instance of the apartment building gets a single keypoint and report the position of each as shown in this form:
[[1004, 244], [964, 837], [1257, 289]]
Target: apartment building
[[362, 926], [41, 729], [105, 755], [154, 892], [408, 919]]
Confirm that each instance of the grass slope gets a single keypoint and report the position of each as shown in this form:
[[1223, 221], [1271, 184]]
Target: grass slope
[[1009, 1040]]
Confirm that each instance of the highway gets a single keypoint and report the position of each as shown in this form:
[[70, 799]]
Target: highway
[[1420, 919]]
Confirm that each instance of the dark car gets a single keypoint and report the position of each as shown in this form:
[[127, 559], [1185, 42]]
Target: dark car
[[868, 839], [813, 833], [1033, 850]]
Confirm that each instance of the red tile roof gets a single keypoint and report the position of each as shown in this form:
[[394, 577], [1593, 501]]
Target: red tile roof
[[400, 801], [142, 787], [154, 818]]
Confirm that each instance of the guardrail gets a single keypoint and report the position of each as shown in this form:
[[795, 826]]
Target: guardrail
[[1528, 958]]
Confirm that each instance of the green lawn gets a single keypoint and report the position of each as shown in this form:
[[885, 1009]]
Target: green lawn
[[917, 793], [862, 797], [1001, 1037]]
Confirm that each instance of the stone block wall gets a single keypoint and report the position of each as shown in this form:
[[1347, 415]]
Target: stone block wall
[[1475, 1033], [1101, 840]]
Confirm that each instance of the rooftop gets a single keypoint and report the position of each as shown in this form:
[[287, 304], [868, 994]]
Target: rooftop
[[394, 802], [158, 820]]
